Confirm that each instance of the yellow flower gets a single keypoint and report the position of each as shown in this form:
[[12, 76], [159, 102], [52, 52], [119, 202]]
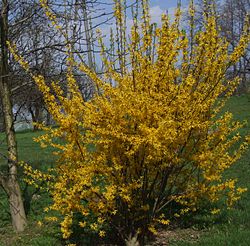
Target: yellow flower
[[39, 223], [152, 230], [215, 211], [102, 233], [82, 224]]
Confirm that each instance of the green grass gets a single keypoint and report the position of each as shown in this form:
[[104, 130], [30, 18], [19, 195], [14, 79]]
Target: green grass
[[30, 152], [232, 227]]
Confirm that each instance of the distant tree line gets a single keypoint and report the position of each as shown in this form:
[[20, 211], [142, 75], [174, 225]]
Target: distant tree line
[[231, 17]]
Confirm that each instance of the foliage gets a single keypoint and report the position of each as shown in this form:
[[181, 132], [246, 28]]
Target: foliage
[[159, 147]]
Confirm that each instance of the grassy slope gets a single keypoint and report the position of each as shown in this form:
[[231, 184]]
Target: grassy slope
[[231, 228], [30, 152]]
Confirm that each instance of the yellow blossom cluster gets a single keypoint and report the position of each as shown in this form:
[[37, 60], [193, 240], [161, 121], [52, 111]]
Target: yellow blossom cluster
[[152, 138]]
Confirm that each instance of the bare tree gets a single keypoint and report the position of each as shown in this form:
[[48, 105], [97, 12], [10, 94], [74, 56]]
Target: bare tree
[[232, 21]]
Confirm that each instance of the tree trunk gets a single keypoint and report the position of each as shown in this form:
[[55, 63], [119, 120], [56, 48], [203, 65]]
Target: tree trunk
[[10, 183], [88, 36], [36, 116]]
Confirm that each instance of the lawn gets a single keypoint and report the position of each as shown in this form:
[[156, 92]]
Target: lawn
[[231, 227], [30, 152]]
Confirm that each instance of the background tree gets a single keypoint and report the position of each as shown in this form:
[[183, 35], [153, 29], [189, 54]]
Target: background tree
[[9, 182], [44, 47], [232, 21], [231, 18]]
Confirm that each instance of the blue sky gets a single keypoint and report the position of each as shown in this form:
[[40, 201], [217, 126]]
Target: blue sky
[[166, 4], [157, 8]]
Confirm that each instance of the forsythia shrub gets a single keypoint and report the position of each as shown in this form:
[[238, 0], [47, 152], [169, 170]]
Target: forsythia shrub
[[151, 144]]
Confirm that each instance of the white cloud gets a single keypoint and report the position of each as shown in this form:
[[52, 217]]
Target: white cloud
[[156, 12]]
